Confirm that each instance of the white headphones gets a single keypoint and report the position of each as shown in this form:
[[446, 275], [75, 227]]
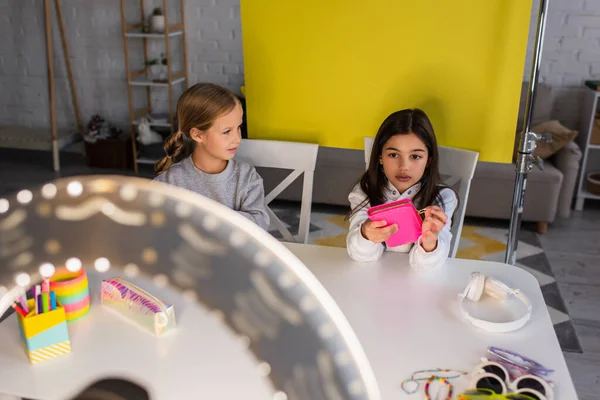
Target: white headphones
[[477, 286]]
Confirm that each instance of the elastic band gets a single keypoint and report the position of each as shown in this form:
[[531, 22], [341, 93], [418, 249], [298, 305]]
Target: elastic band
[[442, 380]]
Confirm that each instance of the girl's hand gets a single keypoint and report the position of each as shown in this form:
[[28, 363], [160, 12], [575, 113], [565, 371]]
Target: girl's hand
[[377, 231], [434, 222]]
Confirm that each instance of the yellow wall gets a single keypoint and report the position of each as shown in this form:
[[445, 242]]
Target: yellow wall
[[330, 71]]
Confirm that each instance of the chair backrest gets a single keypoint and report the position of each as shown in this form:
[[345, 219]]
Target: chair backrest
[[457, 168], [301, 158], [368, 146]]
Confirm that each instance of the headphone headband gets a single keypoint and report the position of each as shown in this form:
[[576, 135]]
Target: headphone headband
[[473, 293]]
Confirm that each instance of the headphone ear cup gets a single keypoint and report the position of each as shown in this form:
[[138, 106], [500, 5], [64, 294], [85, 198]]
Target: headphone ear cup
[[496, 289], [476, 286]]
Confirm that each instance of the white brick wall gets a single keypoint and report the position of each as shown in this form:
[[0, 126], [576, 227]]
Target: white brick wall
[[214, 53], [571, 53]]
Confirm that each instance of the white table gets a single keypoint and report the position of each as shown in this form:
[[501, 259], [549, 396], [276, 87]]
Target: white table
[[408, 320], [194, 362], [405, 320]]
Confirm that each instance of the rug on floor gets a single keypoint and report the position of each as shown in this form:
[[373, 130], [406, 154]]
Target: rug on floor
[[480, 240]]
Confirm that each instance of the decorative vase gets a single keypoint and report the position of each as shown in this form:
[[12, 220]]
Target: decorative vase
[[155, 71], [157, 23]]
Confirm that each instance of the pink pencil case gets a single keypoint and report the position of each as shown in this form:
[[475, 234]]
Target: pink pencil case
[[137, 305], [405, 215]]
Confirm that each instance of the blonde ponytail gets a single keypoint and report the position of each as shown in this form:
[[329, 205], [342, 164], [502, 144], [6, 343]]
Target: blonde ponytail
[[174, 147]]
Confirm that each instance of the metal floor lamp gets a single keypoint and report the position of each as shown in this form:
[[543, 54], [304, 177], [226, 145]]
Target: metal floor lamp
[[527, 142]]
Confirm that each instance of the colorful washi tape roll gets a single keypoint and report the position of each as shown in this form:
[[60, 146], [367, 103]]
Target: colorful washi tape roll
[[72, 290]]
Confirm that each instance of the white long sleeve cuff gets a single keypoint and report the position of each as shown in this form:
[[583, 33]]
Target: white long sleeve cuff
[[422, 260], [361, 249]]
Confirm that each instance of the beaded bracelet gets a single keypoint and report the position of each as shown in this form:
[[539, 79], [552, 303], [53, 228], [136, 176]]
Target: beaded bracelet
[[430, 372], [442, 380]]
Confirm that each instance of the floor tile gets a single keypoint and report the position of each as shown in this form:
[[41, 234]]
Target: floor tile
[[575, 267], [582, 300]]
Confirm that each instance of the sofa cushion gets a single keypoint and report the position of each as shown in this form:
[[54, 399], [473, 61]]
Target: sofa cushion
[[499, 171], [492, 190], [542, 108], [561, 137]]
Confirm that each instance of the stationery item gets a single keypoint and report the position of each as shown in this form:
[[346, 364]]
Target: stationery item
[[137, 305], [477, 286], [39, 304], [45, 335], [23, 303], [52, 301], [516, 362], [37, 290], [19, 309], [46, 286], [72, 291], [45, 303], [405, 215], [493, 376]]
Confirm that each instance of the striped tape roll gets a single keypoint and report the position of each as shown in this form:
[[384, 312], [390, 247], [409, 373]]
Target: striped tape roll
[[50, 352], [72, 291], [75, 315]]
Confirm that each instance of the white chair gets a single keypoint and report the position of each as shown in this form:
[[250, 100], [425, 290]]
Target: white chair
[[457, 167], [368, 146], [301, 158]]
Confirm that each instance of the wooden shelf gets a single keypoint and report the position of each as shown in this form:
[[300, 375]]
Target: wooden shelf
[[18, 137], [140, 78], [585, 194], [149, 83], [146, 160], [137, 33], [151, 153], [153, 123], [590, 108]]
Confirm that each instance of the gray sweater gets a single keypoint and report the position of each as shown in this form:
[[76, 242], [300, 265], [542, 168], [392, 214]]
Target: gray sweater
[[238, 187]]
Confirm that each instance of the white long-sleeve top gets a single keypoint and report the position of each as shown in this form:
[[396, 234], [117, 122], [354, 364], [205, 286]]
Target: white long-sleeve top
[[362, 249]]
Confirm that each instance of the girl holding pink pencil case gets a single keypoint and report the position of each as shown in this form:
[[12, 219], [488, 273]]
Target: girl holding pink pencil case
[[403, 168]]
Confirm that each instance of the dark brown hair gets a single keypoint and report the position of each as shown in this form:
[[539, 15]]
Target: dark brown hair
[[374, 181], [198, 107]]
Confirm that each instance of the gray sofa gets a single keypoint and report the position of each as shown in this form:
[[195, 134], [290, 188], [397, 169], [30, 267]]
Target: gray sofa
[[549, 192]]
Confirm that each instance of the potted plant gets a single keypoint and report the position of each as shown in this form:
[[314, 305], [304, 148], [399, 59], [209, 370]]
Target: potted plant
[[155, 67], [157, 21], [164, 71]]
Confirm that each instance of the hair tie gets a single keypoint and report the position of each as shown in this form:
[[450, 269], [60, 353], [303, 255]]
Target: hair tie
[[442, 380]]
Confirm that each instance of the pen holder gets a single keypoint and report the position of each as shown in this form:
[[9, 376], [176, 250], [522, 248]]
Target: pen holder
[[45, 335], [72, 291]]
